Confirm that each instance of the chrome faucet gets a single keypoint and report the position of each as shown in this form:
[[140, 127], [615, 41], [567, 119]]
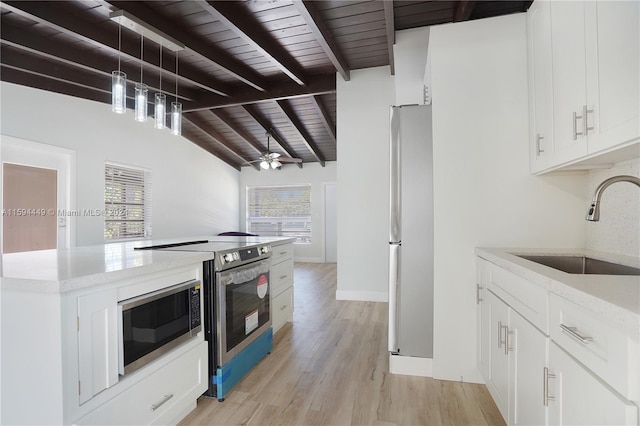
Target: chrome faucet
[[593, 214]]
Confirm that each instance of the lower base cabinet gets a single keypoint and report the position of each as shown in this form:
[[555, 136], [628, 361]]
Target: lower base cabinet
[[577, 397], [282, 306], [159, 398]]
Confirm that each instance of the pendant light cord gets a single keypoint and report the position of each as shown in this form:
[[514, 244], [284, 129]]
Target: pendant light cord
[[119, 43], [141, 55], [160, 68], [176, 76]]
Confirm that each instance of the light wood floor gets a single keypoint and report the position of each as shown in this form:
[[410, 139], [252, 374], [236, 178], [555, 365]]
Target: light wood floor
[[330, 367]]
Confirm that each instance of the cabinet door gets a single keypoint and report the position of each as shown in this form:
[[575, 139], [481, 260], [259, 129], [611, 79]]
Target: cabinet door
[[528, 348], [540, 85], [612, 31], [579, 398], [97, 343], [569, 79], [498, 382]]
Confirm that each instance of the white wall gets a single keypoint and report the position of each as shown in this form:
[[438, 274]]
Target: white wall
[[312, 173], [194, 193], [484, 195], [410, 58], [618, 230], [363, 183]]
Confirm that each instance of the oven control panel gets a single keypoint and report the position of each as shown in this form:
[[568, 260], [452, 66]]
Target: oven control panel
[[241, 255]]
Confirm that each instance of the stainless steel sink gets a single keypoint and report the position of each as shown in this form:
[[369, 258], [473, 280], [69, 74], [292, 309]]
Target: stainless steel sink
[[582, 265]]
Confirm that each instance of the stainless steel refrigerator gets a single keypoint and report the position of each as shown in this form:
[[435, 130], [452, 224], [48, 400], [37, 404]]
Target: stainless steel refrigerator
[[411, 232]]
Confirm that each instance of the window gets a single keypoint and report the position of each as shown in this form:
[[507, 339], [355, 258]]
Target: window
[[280, 211], [127, 202]]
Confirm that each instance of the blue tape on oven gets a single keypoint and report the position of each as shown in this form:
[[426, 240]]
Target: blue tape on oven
[[220, 377]]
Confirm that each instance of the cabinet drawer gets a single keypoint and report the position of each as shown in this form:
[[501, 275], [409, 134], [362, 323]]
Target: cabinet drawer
[[528, 299], [282, 309], [160, 397], [601, 347], [281, 276], [280, 253]]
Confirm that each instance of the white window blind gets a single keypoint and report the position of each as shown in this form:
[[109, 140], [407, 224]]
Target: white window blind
[[127, 202], [280, 211]]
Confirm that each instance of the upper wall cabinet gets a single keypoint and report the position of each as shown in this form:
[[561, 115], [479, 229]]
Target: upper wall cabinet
[[584, 83]]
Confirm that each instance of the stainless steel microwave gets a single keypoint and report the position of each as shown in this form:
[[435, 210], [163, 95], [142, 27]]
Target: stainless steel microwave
[[152, 324]]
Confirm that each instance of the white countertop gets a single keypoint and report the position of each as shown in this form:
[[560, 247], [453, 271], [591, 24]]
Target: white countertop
[[55, 271], [614, 297]]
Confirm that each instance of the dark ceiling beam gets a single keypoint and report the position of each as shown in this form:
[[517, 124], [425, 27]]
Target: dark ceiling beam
[[233, 127], [210, 53], [45, 48], [389, 25], [267, 127], [249, 29], [45, 82], [318, 85], [194, 138], [323, 36], [324, 117], [47, 13], [215, 136], [306, 137], [463, 10]]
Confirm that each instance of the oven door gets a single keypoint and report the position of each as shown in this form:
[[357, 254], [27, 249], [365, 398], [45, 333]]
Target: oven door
[[243, 307]]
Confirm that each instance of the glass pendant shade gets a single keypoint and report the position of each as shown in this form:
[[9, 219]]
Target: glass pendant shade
[[142, 93], [118, 92], [264, 165], [160, 111], [176, 118]]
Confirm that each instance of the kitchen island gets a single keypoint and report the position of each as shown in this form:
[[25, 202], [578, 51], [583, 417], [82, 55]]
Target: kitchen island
[[557, 347], [59, 322]]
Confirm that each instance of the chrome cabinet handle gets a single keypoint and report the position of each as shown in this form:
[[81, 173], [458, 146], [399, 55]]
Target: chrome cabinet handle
[[478, 298], [585, 115], [500, 327], [282, 253], [158, 404], [575, 125], [507, 349], [538, 145], [283, 307], [282, 277], [545, 385], [573, 332]]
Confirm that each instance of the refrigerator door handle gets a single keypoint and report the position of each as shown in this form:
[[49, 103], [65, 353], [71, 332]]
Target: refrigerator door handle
[[394, 282], [395, 183]]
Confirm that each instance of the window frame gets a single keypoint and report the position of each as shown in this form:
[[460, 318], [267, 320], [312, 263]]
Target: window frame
[[300, 239], [114, 207]]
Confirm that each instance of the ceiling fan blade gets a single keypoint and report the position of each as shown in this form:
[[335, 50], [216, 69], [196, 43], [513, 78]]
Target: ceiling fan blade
[[289, 160], [274, 154]]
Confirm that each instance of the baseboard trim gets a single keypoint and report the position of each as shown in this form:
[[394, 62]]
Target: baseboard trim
[[362, 296], [411, 365], [308, 259]]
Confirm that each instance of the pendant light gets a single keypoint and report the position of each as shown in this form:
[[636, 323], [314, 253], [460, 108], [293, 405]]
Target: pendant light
[[161, 102], [142, 92], [176, 109], [119, 84]]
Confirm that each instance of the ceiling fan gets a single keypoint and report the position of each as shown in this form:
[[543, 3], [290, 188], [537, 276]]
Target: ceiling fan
[[273, 160]]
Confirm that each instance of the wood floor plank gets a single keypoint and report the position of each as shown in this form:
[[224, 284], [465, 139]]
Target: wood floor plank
[[330, 367]]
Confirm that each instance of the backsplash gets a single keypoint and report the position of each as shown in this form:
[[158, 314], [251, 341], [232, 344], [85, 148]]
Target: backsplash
[[618, 230]]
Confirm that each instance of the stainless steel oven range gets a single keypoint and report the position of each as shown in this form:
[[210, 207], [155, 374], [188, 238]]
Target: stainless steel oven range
[[237, 309]]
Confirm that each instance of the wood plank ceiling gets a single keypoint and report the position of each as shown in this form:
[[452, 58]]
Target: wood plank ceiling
[[248, 67]]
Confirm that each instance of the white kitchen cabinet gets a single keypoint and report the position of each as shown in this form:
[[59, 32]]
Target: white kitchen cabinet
[[281, 285], [587, 90], [528, 351], [540, 85], [498, 380], [513, 347], [577, 397], [97, 343]]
